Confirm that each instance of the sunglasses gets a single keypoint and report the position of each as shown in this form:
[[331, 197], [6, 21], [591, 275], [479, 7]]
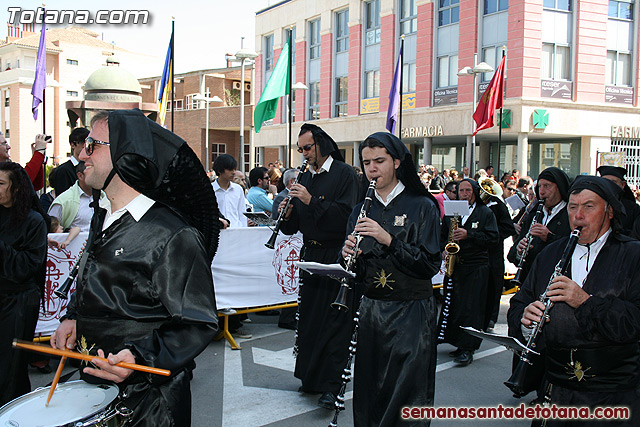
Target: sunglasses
[[305, 148], [89, 143]]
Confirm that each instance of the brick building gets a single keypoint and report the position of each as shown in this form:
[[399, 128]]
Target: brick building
[[571, 77], [224, 117]]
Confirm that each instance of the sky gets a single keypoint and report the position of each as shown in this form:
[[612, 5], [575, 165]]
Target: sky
[[204, 30]]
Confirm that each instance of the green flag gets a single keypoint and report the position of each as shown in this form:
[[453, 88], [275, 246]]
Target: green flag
[[277, 86]]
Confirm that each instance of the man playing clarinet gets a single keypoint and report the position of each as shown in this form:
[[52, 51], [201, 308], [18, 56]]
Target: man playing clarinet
[[592, 330], [321, 204], [398, 255]]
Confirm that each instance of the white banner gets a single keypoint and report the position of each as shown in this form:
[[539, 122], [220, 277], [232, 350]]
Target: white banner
[[245, 272]]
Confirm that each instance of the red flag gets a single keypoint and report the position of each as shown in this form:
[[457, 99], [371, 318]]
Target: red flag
[[491, 100]]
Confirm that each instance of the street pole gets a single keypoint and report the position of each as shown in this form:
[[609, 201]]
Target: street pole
[[472, 167], [241, 159], [206, 141]]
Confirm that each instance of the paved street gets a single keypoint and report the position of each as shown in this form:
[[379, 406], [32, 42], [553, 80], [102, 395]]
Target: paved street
[[255, 386]]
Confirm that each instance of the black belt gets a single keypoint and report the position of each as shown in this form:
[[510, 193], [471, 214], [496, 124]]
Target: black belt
[[603, 369]]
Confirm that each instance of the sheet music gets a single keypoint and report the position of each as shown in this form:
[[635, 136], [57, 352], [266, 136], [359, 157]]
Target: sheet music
[[332, 270]]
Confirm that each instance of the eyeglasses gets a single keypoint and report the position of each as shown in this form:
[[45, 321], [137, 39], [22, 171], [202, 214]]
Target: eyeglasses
[[305, 148], [89, 143], [510, 189]]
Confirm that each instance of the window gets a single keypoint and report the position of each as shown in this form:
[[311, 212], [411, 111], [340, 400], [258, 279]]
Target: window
[[314, 39], [191, 103], [72, 93], [618, 68], [556, 61], [409, 78], [342, 31], [621, 9], [493, 6], [314, 101], [72, 62], [408, 16], [6, 101], [217, 150], [447, 71], [268, 53], [558, 4], [448, 12], [372, 84], [372, 22], [341, 97], [492, 55], [178, 104]]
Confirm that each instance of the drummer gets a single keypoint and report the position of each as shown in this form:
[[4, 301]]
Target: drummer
[[145, 292]]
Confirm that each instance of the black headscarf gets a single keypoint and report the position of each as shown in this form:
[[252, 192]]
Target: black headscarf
[[609, 191], [324, 142], [161, 165], [619, 173], [476, 189], [406, 172], [558, 177]]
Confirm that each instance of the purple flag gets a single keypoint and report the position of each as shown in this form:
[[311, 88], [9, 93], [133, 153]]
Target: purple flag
[[40, 82], [394, 95]]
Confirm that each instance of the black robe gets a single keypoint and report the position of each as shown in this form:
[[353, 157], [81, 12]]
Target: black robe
[[559, 228], [23, 251], [323, 332], [603, 332], [496, 259], [147, 287], [470, 277], [396, 350]]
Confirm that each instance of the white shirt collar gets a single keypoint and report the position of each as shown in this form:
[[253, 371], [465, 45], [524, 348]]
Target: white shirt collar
[[74, 161], [136, 208], [324, 168], [584, 257], [554, 210], [464, 219], [217, 187], [394, 193]]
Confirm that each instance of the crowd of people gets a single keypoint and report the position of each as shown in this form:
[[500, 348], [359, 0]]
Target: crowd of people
[[145, 292]]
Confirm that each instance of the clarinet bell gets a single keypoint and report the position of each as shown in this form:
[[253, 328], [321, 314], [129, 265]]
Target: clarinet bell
[[515, 383], [516, 280], [272, 240], [341, 300]]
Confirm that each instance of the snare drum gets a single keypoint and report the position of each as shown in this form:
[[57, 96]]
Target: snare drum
[[73, 404]]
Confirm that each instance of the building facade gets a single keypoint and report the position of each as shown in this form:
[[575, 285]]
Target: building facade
[[73, 54], [571, 77], [189, 114]]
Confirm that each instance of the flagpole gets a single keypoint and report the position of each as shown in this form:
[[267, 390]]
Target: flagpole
[[500, 125], [171, 72], [400, 89], [290, 101], [44, 108]]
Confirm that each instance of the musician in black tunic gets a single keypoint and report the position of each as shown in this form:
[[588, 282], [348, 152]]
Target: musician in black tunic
[[632, 209], [145, 292], [475, 234], [593, 329], [321, 204], [396, 350], [552, 187]]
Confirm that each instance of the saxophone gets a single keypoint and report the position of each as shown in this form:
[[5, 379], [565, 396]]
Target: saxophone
[[452, 248]]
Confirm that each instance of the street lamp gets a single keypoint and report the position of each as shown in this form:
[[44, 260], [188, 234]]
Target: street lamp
[[243, 54], [482, 67], [295, 87], [200, 97]]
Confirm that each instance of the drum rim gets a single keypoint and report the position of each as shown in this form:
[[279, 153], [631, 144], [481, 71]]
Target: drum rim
[[68, 385]]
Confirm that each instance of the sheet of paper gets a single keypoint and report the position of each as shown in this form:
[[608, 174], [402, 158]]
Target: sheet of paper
[[452, 207], [333, 270]]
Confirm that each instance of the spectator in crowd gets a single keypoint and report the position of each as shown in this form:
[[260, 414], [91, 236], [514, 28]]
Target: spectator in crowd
[[72, 207], [66, 175], [489, 170], [23, 252], [465, 172], [274, 181], [257, 195], [34, 166], [450, 193], [439, 181], [453, 174], [230, 196]]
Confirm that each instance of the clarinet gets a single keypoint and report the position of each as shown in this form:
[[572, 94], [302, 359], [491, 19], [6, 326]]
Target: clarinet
[[272, 240], [341, 300], [63, 290], [516, 381], [529, 238]]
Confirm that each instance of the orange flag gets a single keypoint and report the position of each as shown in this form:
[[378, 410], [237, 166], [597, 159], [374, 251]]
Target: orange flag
[[491, 100]]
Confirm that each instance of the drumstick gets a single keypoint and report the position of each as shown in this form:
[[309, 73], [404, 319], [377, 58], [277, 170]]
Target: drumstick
[[75, 355], [56, 378]]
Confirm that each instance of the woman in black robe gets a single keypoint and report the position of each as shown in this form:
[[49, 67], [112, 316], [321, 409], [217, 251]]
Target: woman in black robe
[[396, 349], [23, 250]]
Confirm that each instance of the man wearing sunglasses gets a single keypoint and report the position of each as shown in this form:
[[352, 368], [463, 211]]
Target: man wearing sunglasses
[[144, 292], [321, 204]]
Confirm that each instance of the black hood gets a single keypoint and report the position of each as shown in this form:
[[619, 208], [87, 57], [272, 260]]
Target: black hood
[[558, 177]]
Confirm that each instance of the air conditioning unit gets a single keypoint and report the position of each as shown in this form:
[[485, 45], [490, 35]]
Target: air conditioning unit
[[236, 85], [247, 86]]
